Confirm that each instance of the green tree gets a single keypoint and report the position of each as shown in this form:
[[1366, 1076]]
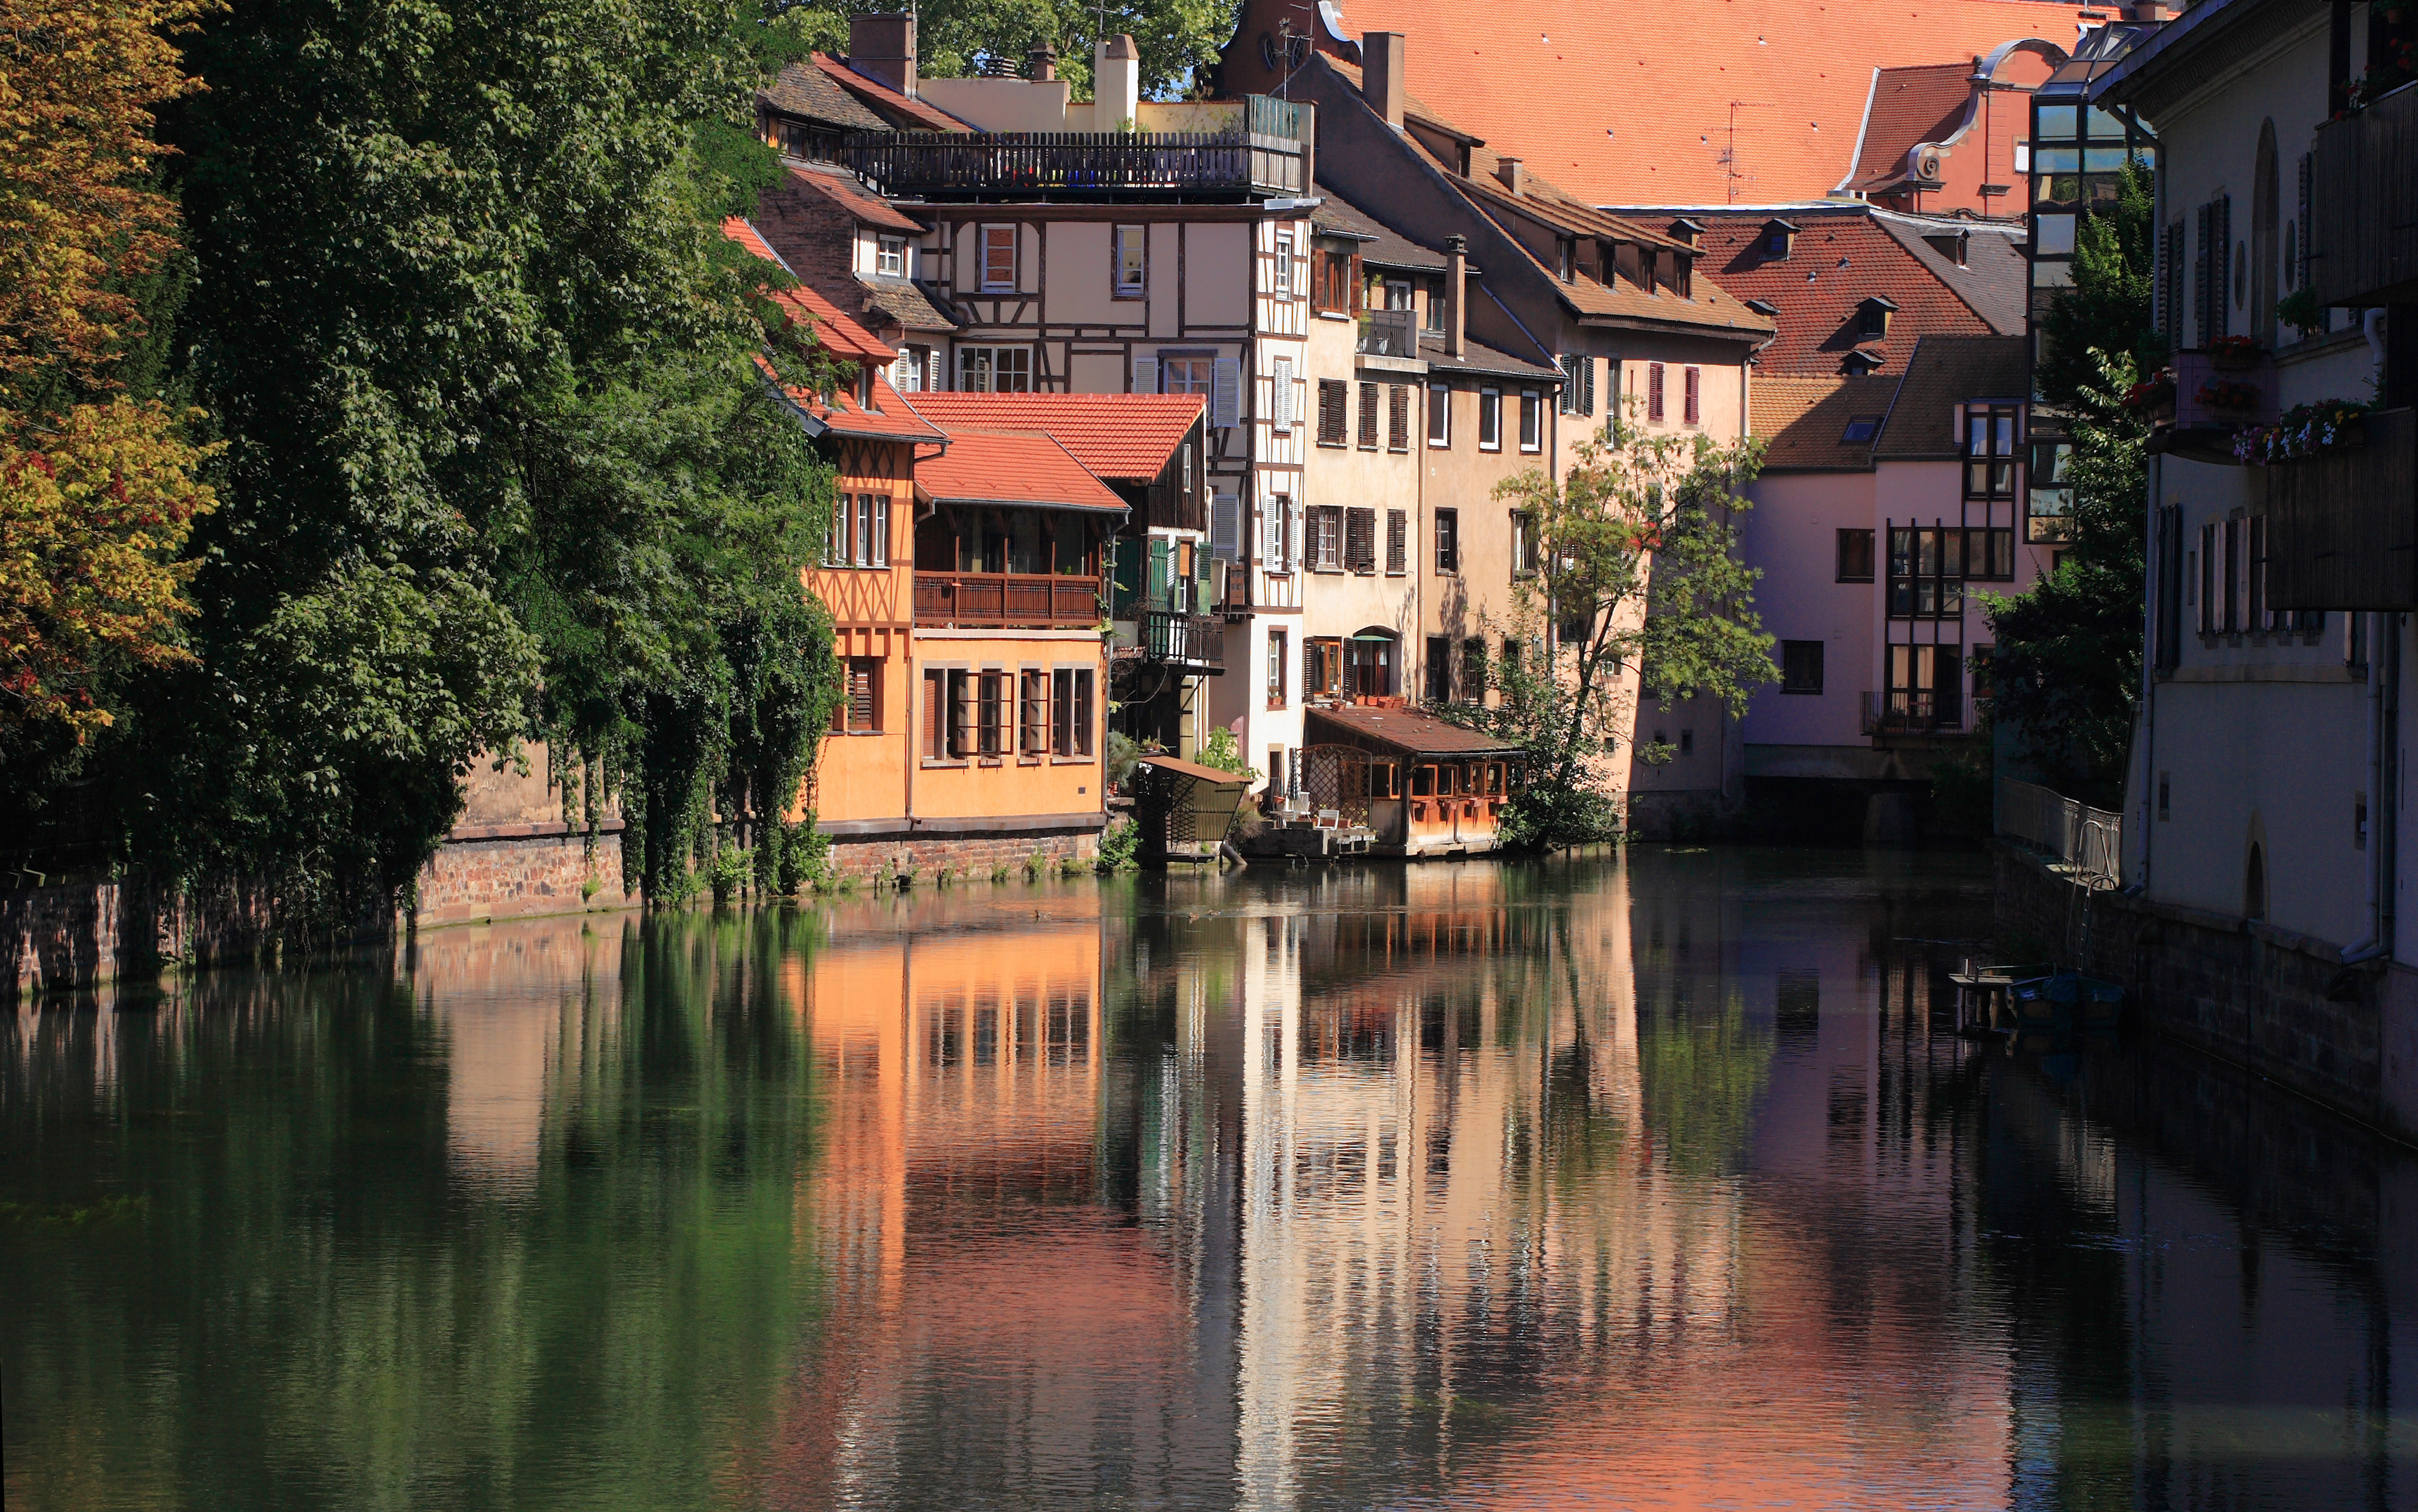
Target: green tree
[[954, 38], [2066, 670], [1635, 561]]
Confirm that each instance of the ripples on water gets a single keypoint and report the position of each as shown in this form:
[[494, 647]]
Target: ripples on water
[[1642, 1184]]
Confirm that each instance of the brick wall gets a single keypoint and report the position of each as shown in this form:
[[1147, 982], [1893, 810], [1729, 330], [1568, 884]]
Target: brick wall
[[965, 856], [511, 876], [2275, 1003]]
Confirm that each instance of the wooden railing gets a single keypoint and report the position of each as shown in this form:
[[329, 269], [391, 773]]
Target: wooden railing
[[2342, 527], [2363, 206], [1183, 639], [1026, 599], [949, 164]]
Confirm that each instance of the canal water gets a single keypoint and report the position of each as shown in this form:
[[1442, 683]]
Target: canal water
[[1653, 1181]]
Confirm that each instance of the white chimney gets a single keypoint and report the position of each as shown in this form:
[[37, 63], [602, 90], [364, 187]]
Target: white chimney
[[1116, 83]]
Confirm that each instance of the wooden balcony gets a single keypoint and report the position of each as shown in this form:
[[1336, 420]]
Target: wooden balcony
[[1020, 600], [1184, 640], [2363, 206], [946, 165], [2342, 527]]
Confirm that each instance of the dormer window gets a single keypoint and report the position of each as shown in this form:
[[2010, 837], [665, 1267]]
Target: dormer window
[[1688, 231], [864, 388], [1565, 258], [1779, 240], [1872, 318], [890, 256], [1861, 364], [1861, 429]]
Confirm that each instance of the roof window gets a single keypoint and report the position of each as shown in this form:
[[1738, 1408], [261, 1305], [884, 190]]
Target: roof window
[[1764, 307], [1862, 363], [1779, 239], [1860, 428]]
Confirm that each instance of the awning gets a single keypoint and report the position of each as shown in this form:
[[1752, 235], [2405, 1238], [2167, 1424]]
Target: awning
[[1399, 732], [1201, 801]]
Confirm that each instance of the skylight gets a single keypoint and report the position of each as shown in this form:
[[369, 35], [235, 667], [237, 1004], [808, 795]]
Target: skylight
[[1861, 428]]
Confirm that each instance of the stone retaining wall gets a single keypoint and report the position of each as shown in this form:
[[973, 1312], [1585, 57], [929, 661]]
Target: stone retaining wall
[[2277, 1003], [520, 872], [863, 858]]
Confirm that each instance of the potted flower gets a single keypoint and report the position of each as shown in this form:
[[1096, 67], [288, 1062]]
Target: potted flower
[[2154, 396], [2228, 398], [2233, 354]]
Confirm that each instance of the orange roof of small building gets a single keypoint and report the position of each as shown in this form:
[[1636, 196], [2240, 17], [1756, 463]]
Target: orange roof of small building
[[1124, 436], [1621, 104], [1925, 102], [984, 465], [833, 328]]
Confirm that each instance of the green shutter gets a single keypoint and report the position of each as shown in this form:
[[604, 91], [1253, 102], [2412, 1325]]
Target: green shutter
[[1159, 568]]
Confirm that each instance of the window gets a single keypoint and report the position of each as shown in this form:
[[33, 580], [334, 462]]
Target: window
[[1577, 383], [1926, 571], [2048, 495], [1565, 258], [859, 711], [1922, 686], [1439, 669], [1322, 667], [1654, 393], [907, 374], [1368, 666], [1333, 395], [1489, 420], [1447, 541], [1855, 555], [991, 714], [1692, 410], [1132, 273], [1800, 666], [1276, 669], [1524, 544], [1033, 727], [1281, 273], [948, 715], [1368, 416], [995, 370], [1977, 662], [1439, 416], [1532, 420], [998, 265], [890, 256], [1473, 669], [1872, 320], [1071, 713], [1277, 547], [1990, 451], [1331, 282], [1185, 374], [1687, 743], [1360, 540], [1434, 306], [1861, 430], [1326, 539], [1398, 417], [1280, 395], [1397, 543], [1990, 554]]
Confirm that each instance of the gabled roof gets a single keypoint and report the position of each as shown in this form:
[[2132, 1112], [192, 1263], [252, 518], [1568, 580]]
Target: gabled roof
[[1379, 244], [833, 328], [1946, 372], [1923, 102], [1010, 467], [1406, 730], [1624, 104], [904, 302], [845, 189], [1886, 257], [806, 91], [1127, 438], [893, 107], [1803, 421]]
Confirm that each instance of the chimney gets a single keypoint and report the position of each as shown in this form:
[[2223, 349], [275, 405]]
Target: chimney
[[1041, 64], [1515, 177], [2149, 10], [881, 46], [1455, 296], [1116, 82], [1381, 75]]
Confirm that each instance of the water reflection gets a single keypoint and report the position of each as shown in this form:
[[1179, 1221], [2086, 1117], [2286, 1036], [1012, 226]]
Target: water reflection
[[1651, 1182]]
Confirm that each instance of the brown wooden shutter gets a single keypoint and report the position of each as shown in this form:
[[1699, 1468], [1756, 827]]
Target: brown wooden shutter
[[961, 722], [1398, 542], [861, 677], [1696, 384], [1654, 393], [936, 694], [1331, 399], [1397, 419], [1360, 539], [1368, 416]]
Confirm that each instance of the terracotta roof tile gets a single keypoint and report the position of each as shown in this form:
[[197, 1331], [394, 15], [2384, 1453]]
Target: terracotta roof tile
[[904, 302], [893, 417], [984, 465], [1410, 730], [895, 108], [1910, 105], [1948, 371], [844, 190], [803, 90], [1124, 436], [1622, 105], [1803, 421], [1884, 256]]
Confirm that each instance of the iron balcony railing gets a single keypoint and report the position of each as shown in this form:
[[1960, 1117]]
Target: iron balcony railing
[[947, 165], [2072, 834], [1027, 600], [1389, 333], [1179, 639], [2364, 205], [1913, 711]]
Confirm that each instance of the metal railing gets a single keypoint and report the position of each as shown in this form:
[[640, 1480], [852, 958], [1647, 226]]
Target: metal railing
[[1912, 712], [1183, 639], [951, 164], [2089, 841]]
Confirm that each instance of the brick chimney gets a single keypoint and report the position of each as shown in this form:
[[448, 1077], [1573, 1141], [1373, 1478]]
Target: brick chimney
[[881, 46], [1041, 64], [1381, 75], [1455, 296], [1514, 176]]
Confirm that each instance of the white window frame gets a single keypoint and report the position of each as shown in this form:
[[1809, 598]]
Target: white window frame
[[890, 256], [1532, 420], [1439, 417], [1280, 395], [1490, 409], [1281, 273], [984, 280], [988, 359], [1123, 241]]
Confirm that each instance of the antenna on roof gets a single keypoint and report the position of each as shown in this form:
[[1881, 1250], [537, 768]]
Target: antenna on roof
[[1727, 157]]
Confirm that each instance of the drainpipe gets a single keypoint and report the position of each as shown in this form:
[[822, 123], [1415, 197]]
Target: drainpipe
[[2383, 797], [2156, 619]]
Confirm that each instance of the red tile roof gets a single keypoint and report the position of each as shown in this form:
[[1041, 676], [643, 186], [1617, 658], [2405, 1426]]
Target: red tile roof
[[833, 328], [1631, 105], [1846, 253], [892, 417], [1123, 437], [914, 115], [842, 189], [1803, 421], [1923, 103], [984, 465]]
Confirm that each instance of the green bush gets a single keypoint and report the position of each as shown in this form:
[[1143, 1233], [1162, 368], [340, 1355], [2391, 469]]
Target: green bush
[[1119, 846], [728, 873]]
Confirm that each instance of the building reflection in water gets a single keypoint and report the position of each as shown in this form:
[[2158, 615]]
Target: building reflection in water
[[1655, 1181]]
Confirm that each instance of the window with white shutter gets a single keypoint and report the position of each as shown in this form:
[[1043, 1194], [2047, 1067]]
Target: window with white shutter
[[1280, 395], [1226, 526], [1226, 393], [1293, 532], [1145, 373]]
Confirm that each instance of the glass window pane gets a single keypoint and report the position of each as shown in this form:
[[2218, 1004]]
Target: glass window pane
[[2054, 235], [2100, 125], [2056, 160], [2103, 160], [2052, 121]]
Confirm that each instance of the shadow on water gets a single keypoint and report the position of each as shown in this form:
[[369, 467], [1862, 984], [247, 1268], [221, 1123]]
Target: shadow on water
[[1655, 1179]]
